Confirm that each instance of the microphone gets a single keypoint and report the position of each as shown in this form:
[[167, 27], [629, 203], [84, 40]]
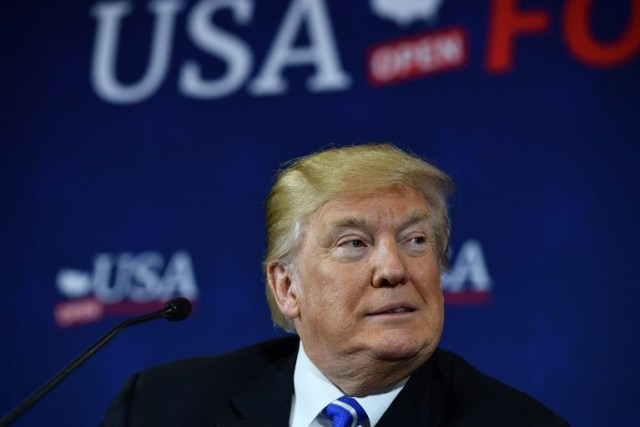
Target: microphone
[[174, 310]]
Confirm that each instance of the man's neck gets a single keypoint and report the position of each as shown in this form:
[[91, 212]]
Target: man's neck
[[362, 374], [313, 391]]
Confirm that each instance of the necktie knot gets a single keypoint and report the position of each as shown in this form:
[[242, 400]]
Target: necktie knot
[[345, 412]]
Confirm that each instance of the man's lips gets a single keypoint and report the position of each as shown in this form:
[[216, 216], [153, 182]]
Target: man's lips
[[396, 308]]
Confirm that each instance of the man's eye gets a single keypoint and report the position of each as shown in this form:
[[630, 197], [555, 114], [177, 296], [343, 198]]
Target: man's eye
[[352, 243], [419, 240], [356, 243]]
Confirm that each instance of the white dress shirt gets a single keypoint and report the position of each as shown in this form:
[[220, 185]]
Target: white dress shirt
[[313, 391]]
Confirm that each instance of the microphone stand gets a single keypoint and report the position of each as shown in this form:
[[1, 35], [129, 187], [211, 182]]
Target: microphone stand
[[173, 310]]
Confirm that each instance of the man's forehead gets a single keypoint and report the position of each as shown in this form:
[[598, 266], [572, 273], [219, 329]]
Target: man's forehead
[[369, 218], [364, 212]]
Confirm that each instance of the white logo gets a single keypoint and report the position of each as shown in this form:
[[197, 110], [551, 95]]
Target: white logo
[[468, 272], [193, 79], [120, 282], [404, 12]]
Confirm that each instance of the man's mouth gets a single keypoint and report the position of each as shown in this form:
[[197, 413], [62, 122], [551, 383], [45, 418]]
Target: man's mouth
[[395, 309], [399, 310]]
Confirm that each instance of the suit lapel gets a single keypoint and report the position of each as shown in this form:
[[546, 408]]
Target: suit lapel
[[420, 403], [268, 400]]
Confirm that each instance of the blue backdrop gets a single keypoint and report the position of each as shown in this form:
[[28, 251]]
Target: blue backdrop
[[140, 138]]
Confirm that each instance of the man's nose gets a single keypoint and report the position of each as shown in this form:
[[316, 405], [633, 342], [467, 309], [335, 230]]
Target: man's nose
[[389, 269]]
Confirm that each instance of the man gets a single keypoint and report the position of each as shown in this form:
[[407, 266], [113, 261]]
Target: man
[[357, 238]]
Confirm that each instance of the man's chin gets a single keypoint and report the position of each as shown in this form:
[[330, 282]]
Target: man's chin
[[397, 350]]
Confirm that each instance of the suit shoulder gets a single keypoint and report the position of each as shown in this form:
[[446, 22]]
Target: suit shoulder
[[237, 364], [473, 395], [188, 391]]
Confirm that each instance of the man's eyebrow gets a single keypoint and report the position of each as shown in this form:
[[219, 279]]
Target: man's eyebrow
[[348, 222], [416, 216]]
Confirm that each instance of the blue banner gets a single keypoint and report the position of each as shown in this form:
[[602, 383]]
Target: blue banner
[[140, 139]]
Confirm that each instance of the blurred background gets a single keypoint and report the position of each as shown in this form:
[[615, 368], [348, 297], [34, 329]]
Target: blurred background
[[140, 139]]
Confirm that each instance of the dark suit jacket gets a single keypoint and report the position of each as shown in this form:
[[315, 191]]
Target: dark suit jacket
[[253, 387]]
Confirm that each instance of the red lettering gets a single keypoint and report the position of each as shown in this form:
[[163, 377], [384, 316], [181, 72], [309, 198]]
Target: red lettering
[[417, 56], [594, 52], [505, 24], [78, 312]]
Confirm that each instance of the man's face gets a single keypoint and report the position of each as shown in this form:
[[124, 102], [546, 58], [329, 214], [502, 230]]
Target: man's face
[[366, 280]]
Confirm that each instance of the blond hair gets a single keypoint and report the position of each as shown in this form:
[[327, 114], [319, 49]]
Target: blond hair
[[306, 183]]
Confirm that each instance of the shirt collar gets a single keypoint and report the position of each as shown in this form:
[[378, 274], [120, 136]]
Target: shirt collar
[[313, 391]]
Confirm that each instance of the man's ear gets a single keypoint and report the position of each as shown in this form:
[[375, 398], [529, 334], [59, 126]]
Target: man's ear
[[281, 284]]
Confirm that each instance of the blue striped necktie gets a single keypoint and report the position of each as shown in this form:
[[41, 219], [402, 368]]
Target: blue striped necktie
[[345, 412]]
